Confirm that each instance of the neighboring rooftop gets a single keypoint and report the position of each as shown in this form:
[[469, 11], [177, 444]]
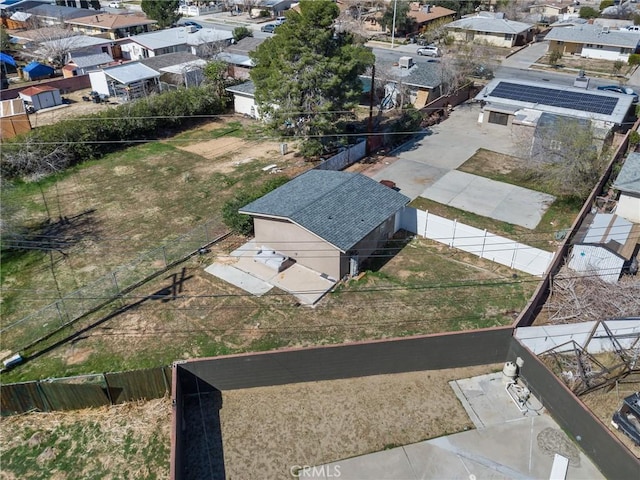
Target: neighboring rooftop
[[563, 100], [130, 72], [339, 207], [483, 23], [110, 21], [628, 179], [609, 231], [595, 34]]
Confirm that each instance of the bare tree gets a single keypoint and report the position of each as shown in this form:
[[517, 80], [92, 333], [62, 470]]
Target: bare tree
[[55, 45], [33, 159], [567, 155]]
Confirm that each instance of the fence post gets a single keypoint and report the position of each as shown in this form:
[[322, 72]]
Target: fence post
[[426, 220], [164, 255], [453, 234], [106, 382], [60, 314], [515, 252], [115, 282], [484, 241]]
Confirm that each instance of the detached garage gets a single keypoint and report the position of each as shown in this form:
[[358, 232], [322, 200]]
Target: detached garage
[[41, 97], [604, 245], [244, 99]]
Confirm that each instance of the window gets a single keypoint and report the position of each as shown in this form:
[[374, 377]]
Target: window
[[589, 45], [498, 118], [600, 46], [508, 36]]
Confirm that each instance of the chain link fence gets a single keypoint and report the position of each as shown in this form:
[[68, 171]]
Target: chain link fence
[[24, 333]]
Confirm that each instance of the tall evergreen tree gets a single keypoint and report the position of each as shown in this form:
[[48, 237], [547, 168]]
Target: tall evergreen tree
[[165, 12], [307, 74]]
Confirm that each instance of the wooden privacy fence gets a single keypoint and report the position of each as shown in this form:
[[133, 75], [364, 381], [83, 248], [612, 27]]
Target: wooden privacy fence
[[84, 391], [475, 241]]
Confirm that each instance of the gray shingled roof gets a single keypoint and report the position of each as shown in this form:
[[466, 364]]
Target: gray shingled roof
[[168, 60], [246, 88], [339, 207], [423, 74], [628, 179], [594, 34], [92, 59], [492, 25]]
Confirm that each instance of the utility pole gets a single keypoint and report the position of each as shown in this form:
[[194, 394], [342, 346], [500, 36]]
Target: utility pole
[[393, 27], [370, 124]]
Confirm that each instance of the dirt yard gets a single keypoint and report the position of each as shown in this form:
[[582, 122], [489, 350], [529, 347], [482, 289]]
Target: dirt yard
[[75, 108], [265, 430]]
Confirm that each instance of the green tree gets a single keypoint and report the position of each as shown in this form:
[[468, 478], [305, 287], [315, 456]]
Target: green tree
[[554, 57], [617, 66], [606, 3], [241, 32], [5, 43], [404, 23], [307, 75], [463, 7], [165, 12], [216, 73], [588, 12]]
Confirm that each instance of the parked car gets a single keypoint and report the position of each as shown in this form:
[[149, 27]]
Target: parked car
[[280, 20], [429, 51], [620, 89], [269, 28], [190, 23], [115, 5]]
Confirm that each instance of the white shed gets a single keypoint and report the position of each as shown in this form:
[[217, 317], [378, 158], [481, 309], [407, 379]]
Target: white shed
[[41, 96], [603, 245], [628, 184], [244, 101]]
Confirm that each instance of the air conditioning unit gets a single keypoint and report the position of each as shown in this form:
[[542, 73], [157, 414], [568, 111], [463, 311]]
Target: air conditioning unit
[[405, 62]]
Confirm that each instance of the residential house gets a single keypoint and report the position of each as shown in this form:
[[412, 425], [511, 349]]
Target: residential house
[[605, 245], [13, 118], [274, 8], [549, 12], [244, 99], [177, 69], [328, 221], [237, 57], [53, 15], [493, 29], [593, 41], [74, 46], [406, 82], [82, 63], [13, 15], [520, 105], [628, 184], [203, 43], [41, 96], [111, 25], [127, 82], [425, 14]]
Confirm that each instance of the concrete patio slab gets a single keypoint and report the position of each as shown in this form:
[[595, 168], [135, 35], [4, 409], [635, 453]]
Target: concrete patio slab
[[256, 278], [240, 279], [486, 197], [410, 176]]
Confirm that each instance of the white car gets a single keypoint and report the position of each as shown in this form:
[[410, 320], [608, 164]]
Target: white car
[[429, 51], [115, 5]]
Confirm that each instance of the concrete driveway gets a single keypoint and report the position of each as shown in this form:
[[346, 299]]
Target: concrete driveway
[[426, 167]]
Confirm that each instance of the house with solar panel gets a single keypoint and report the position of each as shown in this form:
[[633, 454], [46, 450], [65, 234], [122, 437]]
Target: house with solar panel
[[524, 107], [491, 28], [605, 245], [594, 41], [328, 221]]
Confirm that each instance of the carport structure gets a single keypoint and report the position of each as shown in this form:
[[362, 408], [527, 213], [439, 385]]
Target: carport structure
[[127, 82]]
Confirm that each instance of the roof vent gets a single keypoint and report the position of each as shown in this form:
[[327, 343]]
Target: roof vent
[[405, 62]]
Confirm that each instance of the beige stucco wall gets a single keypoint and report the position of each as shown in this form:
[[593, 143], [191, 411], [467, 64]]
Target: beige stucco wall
[[304, 247]]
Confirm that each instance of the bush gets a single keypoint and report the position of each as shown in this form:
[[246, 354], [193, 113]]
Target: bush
[[241, 32], [104, 132], [589, 12], [240, 223], [634, 59], [606, 3], [554, 57]]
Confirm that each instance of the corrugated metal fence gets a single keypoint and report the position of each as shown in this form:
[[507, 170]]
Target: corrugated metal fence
[[345, 158], [475, 241], [85, 391]]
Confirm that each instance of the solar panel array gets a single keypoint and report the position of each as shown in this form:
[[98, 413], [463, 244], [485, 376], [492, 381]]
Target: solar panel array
[[586, 102]]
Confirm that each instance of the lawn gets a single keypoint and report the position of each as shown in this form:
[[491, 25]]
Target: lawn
[[504, 168]]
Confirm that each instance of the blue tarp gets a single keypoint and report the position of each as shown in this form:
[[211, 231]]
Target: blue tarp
[[7, 59], [37, 70]]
